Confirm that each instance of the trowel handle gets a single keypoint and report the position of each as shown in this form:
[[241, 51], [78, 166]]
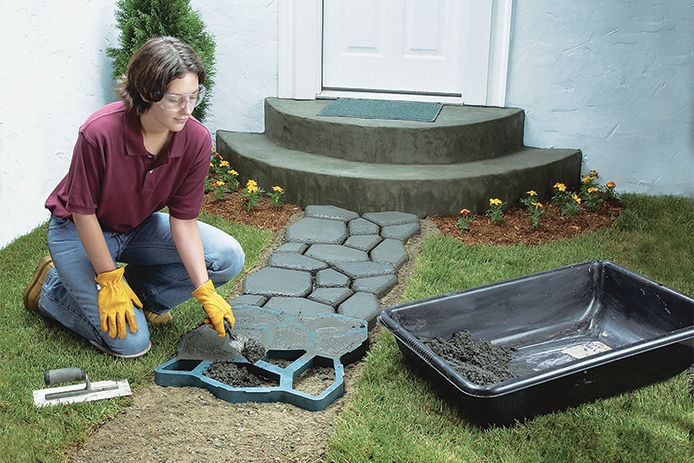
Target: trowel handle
[[64, 375]]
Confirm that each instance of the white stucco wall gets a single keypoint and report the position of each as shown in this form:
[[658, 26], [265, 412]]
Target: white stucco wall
[[55, 73], [615, 79]]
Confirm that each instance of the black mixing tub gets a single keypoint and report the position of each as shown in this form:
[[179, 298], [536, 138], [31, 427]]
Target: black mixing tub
[[580, 333]]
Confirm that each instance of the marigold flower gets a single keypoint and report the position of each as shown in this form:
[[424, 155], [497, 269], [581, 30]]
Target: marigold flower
[[610, 184], [594, 174], [217, 155], [219, 183], [576, 198], [233, 172], [252, 188], [251, 182], [532, 193], [587, 179], [560, 186], [277, 188], [211, 165], [537, 204], [464, 211], [592, 189], [224, 164], [494, 201]]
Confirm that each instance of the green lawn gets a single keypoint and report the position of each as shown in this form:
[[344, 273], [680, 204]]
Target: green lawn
[[396, 415], [29, 345]]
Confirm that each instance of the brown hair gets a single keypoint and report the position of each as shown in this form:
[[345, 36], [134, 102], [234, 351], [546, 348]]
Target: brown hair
[[152, 68]]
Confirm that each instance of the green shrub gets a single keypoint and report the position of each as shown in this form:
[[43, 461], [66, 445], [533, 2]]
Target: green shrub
[[140, 20]]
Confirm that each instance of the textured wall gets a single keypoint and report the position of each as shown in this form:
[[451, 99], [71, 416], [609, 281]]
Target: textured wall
[[615, 79], [55, 73]]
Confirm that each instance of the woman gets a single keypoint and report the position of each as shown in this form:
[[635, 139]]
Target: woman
[[131, 159]]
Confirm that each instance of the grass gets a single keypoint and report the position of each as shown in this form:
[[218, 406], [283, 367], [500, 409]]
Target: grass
[[396, 415], [29, 345]]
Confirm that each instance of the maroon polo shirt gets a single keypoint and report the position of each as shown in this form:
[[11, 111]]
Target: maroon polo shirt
[[113, 176]]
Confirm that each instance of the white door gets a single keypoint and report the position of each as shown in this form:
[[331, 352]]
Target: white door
[[429, 47]]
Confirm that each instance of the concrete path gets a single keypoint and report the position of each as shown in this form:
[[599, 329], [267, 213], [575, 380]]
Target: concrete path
[[333, 261]]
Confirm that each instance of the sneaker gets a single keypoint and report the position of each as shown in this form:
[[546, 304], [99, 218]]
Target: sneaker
[[33, 289], [157, 318], [106, 350]]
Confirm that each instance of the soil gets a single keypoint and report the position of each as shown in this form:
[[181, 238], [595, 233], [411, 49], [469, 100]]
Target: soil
[[478, 361], [190, 424]]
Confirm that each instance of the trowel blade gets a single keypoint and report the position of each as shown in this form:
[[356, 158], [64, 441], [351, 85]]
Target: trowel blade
[[203, 344]]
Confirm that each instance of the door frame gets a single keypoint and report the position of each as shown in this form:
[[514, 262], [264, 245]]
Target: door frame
[[300, 57]]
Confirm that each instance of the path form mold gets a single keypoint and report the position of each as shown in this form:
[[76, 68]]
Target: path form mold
[[297, 343], [311, 306]]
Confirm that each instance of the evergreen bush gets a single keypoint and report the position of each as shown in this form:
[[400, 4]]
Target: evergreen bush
[[140, 20]]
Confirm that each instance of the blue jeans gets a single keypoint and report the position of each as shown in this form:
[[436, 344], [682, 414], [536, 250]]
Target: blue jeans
[[154, 271]]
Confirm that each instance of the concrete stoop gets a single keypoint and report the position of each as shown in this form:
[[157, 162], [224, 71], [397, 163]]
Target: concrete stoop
[[468, 155]]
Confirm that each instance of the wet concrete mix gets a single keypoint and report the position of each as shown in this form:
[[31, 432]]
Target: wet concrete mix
[[228, 372], [479, 361]]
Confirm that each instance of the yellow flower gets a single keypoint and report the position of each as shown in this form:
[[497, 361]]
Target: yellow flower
[[211, 165], [464, 211], [576, 198], [494, 201], [233, 172], [610, 184], [592, 189], [594, 174], [587, 179], [532, 193], [277, 188], [252, 188], [251, 182], [560, 186], [219, 183], [538, 204], [224, 164]]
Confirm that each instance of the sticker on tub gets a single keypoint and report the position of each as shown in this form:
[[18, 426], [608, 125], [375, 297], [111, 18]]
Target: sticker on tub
[[587, 349]]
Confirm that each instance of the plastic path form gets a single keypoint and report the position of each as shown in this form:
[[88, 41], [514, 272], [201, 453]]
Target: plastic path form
[[325, 340]]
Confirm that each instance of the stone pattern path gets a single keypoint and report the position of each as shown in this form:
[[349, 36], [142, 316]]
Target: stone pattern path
[[333, 261]]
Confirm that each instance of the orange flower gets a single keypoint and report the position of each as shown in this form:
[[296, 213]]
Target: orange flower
[[560, 186], [610, 184], [594, 174], [464, 211]]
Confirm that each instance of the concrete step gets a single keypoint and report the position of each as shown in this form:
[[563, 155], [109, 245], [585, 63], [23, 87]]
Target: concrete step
[[424, 189], [459, 134]]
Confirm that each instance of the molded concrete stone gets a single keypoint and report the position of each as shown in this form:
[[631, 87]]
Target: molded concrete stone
[[272, 281], [315, 230], [364, 269], [248, 299], [295, 261], [361, 305], [298, 306], [330, 212], [400, 232], [379, 285], [333, 253], [387, 218], [390, 251], [362, 226], [293, 247], [363, 242], [330, 296], [330, 278]]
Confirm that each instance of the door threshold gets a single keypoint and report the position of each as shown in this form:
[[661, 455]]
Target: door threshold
[[333, 94]]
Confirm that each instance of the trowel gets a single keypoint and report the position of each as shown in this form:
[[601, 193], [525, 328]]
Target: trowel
[[203, 343], [75, 393]]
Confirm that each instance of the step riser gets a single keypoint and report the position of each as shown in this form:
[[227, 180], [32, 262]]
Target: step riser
[[421, 197], [390, 142]]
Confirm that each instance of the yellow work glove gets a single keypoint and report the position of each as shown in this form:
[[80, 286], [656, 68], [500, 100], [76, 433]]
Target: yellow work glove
[[116, 301], [216, 307]]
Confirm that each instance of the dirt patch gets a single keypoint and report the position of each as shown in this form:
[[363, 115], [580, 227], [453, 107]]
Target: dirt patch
[[479, 361], [517, 227]]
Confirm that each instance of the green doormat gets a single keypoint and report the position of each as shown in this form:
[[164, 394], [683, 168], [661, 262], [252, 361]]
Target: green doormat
[[383, 109]]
